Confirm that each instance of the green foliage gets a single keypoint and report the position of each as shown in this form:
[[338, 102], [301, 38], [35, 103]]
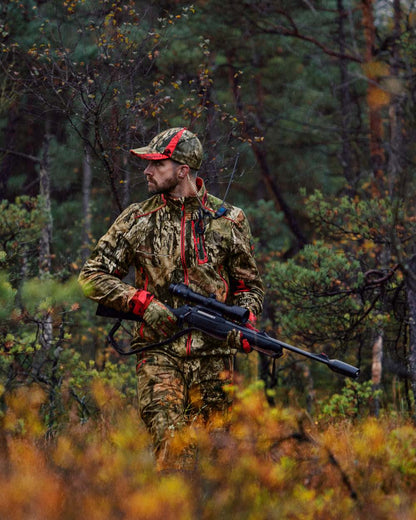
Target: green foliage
[[320, 286], [36, 346], [40, 295], [268, 227], [374, 222], [7, 296], [355, 400], [20, 228]]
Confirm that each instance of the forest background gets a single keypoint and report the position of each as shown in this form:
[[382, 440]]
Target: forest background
[[312, 103]]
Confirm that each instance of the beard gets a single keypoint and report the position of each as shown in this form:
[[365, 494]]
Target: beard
[[162, 188]]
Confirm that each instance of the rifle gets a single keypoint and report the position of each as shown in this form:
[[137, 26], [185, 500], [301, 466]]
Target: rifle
[[217, 319]]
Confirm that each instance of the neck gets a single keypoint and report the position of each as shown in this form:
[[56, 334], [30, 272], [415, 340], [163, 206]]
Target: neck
[[186, 188]]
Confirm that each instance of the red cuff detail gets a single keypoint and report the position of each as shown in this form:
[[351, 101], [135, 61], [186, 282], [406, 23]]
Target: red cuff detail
[[140, 302], [241, 287], [251, 322], [246, 345]]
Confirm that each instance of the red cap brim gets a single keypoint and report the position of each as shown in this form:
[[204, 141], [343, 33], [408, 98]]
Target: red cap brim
[[149, 156]]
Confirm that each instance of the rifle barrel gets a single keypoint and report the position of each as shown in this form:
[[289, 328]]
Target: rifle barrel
[[265, 341]]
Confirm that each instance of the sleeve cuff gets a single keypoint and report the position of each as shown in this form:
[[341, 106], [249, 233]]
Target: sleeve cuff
[[140, 301]]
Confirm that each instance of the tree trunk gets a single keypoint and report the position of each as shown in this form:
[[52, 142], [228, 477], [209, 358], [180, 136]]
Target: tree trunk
[[396, 149], [261, 157], [377, 156], [377, 368], [10, 138], [278, 196], [45, 193], [86, 197], [411, 302], [104, 156], [126, 170], [126, 182], [345, 104], [46, 332], [375, 104], [217, 186]]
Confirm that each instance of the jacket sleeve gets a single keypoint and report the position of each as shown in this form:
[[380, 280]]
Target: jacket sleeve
[[100, 277], [246, 286]]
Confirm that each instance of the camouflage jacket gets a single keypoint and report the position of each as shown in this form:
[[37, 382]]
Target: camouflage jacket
[[171, 241]]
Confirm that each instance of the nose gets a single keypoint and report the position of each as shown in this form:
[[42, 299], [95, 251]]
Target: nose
[[148, 169]]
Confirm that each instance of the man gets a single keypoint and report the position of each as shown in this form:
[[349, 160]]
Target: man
[[179, 234]]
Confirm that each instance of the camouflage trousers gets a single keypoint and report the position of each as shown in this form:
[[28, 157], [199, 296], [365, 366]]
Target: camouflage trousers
[[174, 391]]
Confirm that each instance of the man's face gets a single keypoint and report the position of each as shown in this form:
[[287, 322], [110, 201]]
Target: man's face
[[162, 176]]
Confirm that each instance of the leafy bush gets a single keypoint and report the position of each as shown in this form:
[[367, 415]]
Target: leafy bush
[[354, 401]]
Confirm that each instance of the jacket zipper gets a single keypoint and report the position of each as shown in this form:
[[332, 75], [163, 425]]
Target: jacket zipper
[[183, 235], [185, 269]]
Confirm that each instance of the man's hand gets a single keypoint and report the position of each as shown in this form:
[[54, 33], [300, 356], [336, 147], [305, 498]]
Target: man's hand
[[154, 313], [160, 318], [236, 340]]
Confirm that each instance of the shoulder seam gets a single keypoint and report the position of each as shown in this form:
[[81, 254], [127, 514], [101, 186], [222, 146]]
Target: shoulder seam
[[140, 215]]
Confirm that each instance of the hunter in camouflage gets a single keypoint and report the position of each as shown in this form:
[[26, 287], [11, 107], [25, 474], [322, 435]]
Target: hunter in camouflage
[[175, 236]]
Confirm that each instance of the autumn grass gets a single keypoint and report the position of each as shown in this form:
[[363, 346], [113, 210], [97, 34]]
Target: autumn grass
[[266, 463]]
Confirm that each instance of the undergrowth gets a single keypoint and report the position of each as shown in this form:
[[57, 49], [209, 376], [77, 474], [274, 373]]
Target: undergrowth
[[265, 463]]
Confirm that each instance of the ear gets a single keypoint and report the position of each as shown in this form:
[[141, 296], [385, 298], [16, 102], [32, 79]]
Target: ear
[[183, 171]]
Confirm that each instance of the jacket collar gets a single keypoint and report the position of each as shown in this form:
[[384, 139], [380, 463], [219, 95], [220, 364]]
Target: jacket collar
[[192, 202]]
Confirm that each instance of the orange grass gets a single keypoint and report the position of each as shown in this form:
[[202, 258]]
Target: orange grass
[[266, 463]]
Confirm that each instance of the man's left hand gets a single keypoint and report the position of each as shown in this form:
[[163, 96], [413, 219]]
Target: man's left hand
[[236, 339]]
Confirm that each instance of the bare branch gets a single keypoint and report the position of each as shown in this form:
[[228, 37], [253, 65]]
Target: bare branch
[[21, 154]]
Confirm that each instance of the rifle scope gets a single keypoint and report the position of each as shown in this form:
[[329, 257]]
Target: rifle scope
[[233, 312]]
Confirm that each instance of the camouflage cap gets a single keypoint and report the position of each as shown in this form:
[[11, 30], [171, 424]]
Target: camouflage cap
[[178, 144]]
